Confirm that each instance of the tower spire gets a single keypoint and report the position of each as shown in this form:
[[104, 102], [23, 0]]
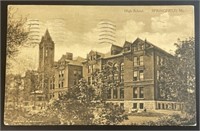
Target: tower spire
[[47, 34]]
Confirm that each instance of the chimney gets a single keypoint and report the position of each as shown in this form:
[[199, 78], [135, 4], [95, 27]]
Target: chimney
[[69, 56]]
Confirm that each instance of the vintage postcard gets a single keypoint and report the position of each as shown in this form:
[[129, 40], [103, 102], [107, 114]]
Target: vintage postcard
[[100, 65]]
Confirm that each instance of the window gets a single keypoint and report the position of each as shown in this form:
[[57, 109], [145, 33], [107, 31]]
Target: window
[[158, 105], [121, 93], [116, 67], [135, 61], [172, 105], [74, 82], [141, 47], [115, 93], [122, 72], [93, 67], [46, 52], [158, 60], [116, 77], [166, 106], [61, 73], [161, 61], [53, 85], [141, 73], [62, 84], [89, 69], [122, 67], [141, 60], [141, 105], [135, 76], [75, 72], [93, 80], [134, 105], [135, 92], [53, 82], [135, 48], [116, 71], [59, 85], [126, 49], [158, 75], [163, 106], [89, 80], [141, 90], [109, 93]]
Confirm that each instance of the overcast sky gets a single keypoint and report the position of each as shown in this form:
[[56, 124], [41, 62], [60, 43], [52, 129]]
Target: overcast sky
[[74, 28]]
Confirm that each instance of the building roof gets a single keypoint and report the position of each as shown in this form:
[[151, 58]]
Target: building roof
[[46, 36], [96, 52], [127, 44], [154, 46], [78, 61], [116, 46]]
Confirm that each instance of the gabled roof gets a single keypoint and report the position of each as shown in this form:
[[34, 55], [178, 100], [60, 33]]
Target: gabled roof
[[127, 44], [138, 40], [116, 46], [95, 52]]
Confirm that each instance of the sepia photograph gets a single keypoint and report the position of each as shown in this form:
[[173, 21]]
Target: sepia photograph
[[100, 65]]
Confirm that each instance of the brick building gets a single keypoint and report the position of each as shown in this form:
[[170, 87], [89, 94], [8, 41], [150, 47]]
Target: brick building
[[56, 76], [67, 73], [137, 66]]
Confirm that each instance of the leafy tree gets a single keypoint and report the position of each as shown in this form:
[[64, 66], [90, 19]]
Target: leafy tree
[[85, 104], [178, 76], [17, 34]]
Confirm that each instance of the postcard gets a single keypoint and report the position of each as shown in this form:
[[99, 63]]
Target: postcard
[[100, 65]]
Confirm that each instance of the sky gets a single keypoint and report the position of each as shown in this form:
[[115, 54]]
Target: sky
[[75, 28]]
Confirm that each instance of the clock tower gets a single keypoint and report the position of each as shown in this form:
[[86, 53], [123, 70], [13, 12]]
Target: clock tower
[[46, 62]]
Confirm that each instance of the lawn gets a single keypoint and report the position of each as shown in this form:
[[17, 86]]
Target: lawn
[[142, 117]]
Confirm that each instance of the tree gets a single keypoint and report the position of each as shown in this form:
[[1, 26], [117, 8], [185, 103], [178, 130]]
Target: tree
[[178, 76], [17, 34], [85, 104]]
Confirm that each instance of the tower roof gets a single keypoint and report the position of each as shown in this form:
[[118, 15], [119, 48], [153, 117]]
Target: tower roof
[[47, 35], [46, 38]]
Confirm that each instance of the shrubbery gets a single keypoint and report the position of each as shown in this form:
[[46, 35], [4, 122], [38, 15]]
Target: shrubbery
[[171, 120]]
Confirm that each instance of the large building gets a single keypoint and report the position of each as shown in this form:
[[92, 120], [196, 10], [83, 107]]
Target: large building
[[136, 69]]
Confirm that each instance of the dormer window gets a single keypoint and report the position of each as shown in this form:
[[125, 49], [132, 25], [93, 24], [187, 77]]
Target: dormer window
[[135, 48], [141, 47], [126, 49]]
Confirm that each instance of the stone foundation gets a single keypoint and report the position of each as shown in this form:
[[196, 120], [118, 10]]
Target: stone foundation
[[148, 105]]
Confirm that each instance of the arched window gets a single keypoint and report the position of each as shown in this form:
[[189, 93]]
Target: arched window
[[46, 53], [116, 71], [122, 72]]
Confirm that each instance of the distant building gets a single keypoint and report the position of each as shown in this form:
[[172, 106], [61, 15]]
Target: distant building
[[67, 73]]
